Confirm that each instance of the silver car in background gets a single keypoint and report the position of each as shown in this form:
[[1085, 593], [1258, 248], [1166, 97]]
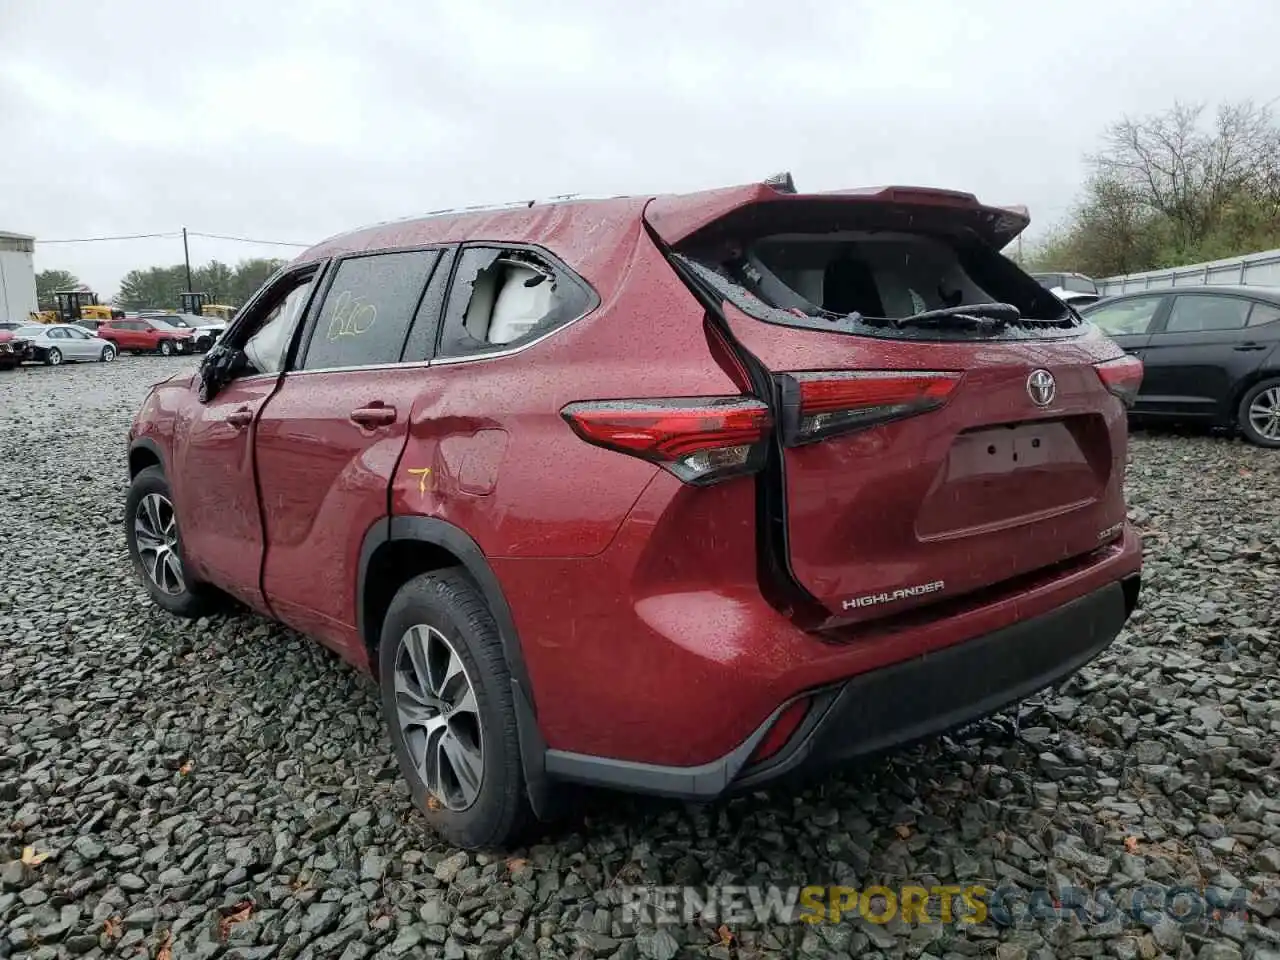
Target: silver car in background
[[52, 343]]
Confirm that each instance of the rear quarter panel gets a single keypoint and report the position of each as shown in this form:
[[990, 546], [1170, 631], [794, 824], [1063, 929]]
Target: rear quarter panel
[[489, 452]]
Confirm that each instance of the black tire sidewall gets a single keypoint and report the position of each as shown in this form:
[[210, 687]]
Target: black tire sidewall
[[1242, 415], [108, 354], [191, 602], [449, 601]]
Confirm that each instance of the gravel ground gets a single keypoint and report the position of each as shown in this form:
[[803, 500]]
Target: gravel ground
[[226, 788]]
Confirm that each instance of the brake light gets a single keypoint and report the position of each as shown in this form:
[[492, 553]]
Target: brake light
[[819, 404], [1122, 376], [699, 439]]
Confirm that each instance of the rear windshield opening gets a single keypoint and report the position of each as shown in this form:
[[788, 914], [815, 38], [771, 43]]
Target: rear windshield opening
[[876, 279]]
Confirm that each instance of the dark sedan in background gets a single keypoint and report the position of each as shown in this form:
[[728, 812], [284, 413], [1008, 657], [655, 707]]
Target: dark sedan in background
[[1212, 354]]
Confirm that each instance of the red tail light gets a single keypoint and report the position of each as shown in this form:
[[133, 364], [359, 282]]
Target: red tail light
[[699, 439], [1122, 376], [819, 404]]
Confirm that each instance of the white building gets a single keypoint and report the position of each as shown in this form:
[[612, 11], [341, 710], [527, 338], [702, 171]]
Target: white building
[[17, 276]]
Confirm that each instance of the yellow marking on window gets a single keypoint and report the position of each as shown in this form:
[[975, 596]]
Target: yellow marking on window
[[350, 317]]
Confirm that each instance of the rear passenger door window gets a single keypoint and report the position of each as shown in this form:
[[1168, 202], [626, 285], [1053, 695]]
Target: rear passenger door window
[[368, 309], [1192, 314], [502, 298]]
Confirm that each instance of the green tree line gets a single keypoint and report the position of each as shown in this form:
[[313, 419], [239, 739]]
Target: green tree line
[[161, 287], [1172, 188]]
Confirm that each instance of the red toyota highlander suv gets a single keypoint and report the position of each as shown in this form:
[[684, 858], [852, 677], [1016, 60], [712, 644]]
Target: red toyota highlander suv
[[676, 494]]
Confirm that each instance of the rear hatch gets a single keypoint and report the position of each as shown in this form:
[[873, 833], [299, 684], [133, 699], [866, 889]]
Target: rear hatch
[[944, 428]]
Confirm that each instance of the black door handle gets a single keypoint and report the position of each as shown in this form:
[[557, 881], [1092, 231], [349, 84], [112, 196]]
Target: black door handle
[[1250, 345]]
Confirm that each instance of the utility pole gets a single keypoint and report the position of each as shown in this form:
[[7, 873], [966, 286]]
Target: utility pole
[[186, 256]]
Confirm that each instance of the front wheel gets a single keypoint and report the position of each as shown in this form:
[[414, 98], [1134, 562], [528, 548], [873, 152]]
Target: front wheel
[[108, 353], [446, 696], [1259, 416], [155, 547], [166, 348], [53, 357]]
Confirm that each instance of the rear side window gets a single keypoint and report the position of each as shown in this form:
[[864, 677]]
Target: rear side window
[[1263, 313], [1127, 316], [1191, 314], [502, 298], [367, 311]]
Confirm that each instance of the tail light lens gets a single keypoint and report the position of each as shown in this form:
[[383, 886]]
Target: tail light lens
[[819, 404], [699, 439], [1122, 376]]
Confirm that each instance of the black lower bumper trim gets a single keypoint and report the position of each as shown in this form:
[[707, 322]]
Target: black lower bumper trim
[[937, 692], [895, 705]]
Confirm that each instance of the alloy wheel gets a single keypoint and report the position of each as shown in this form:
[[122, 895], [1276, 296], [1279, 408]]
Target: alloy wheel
[[165, 348], [54, 356], [108, 354], [439, 717], [155, 530], [1264, 413]]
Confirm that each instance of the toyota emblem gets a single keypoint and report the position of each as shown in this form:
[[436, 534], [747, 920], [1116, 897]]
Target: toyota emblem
[[1041, 387]]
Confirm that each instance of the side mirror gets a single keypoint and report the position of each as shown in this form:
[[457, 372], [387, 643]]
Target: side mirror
[[220, 366]]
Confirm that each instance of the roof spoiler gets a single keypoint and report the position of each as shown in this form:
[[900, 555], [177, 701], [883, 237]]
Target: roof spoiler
[[677, 217]]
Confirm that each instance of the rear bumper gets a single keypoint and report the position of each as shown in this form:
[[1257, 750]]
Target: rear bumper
[[893, 705]]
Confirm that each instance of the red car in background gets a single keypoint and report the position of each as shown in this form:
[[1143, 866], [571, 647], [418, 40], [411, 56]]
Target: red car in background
[[147, 335], [12, 348]]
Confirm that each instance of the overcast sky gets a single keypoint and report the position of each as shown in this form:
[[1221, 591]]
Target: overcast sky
[[296, 120]]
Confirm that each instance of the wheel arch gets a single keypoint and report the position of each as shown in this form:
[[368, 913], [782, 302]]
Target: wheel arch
[[433, 543], [1250, 380], [144, 452]]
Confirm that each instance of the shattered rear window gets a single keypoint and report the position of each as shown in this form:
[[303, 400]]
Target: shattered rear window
[[875, 281]]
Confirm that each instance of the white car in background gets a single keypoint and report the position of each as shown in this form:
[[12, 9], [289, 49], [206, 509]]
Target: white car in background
[[53, 343], [1072, 288]]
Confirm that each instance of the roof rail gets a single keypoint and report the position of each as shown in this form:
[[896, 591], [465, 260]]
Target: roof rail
[[478, 208]]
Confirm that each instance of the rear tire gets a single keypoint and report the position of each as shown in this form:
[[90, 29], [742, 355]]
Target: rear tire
[[108, 353], [53, 357], [155, 547], [1258, 416], [438, 628]]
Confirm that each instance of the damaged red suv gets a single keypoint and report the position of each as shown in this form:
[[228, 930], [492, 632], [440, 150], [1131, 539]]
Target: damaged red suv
[[675, 494]]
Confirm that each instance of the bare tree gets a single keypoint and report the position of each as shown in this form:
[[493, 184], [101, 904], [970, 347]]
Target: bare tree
[[1188, 171]]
